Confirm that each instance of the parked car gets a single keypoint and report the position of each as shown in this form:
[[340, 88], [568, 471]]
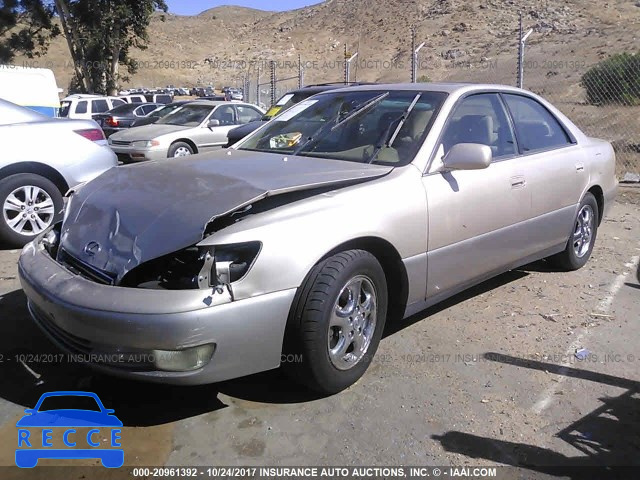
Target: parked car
[[236, 94], [85, 106], [122, 117], [42, 158], [354, 207], [34, 88], [195, 127], [216, 98], [286, 101], [156, 115]]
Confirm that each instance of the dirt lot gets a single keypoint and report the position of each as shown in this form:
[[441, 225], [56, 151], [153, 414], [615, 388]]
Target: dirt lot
[[489, 377]]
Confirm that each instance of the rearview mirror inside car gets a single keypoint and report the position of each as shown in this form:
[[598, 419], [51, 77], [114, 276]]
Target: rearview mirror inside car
[[468, 156]]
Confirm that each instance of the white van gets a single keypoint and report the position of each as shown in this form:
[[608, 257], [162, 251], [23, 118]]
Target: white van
[[34, 88], [83, 106]]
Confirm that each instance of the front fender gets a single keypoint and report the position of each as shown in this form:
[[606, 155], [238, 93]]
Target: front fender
[[296, 236]]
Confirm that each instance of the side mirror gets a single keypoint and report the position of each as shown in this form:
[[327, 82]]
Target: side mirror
[[213, 123], [468, 156]]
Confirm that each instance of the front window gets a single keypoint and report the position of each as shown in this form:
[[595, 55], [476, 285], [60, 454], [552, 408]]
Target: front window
[[377, 126], [186, 116]]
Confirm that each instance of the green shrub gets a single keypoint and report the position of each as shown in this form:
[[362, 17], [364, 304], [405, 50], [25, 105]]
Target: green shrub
[[614, 80]]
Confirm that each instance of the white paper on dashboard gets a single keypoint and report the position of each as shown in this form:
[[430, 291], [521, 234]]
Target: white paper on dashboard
[[295, 110]]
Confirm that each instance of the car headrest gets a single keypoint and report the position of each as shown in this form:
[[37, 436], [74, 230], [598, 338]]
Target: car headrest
[[476, 129]]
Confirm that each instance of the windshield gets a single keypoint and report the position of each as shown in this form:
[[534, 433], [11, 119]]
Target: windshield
[[377, 126], [288, 100], [187, 116], [69, 402]]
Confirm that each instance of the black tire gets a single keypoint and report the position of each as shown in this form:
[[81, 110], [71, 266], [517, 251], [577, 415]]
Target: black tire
[[307, 336], [179, 145], [569, 259], [9, 185]]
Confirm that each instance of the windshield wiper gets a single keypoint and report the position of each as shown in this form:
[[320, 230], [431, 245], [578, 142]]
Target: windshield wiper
[[386, 140], [329, 127]]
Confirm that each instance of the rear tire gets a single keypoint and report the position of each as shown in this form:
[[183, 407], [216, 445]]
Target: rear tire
[[336, 322], [30, 204], [583, 237]]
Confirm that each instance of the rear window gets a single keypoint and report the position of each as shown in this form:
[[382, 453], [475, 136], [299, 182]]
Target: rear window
[[163, 99], [81, 107], [536, 127], [99, 106], [136, 100], [126, 108]]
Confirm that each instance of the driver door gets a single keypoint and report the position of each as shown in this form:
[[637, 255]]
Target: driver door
[[475, 215], [214, 137]]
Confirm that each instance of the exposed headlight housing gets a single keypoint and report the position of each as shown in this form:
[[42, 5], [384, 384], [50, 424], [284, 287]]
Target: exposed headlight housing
[[50, 240], [195, 268], [183, 360]]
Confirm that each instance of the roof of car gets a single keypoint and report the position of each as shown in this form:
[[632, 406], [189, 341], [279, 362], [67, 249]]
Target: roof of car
[[213, 103], [446, 87]]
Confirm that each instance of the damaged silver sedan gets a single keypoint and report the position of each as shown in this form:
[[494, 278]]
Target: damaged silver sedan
[[353, 208]]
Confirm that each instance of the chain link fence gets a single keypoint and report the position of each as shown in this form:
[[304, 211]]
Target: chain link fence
[[600, 94]]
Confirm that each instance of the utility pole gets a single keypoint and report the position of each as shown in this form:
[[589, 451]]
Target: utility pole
[[300, 72], [414, 56], [258, 87], [347, 72], [273, 82], [521, 44]]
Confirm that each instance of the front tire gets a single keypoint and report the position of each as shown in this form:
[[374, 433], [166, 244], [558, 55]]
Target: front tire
[[337, 322], [180, 149], [30, 204], [583, 237]]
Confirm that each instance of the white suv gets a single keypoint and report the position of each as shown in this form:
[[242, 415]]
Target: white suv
[[85, 106]]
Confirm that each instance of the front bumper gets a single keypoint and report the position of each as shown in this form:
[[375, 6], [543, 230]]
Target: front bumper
[[127, 153], [90, 320]]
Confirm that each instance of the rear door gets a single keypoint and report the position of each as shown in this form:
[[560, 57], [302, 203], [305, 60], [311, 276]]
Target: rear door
[[554, 170], [476, 217]]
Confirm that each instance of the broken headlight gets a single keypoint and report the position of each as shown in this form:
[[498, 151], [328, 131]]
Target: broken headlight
[[232, 262], [195, 267]]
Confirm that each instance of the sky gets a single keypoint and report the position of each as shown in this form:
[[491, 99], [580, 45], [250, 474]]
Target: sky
[[193, 7]]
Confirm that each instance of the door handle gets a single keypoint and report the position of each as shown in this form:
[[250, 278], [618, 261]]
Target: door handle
[[518, 182], [579, 167]]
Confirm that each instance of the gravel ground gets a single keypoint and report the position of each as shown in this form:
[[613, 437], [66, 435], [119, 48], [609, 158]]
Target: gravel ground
[[489, 377]]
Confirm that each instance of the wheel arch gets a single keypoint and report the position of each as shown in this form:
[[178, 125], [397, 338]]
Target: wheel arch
[[392, 265], [598, 193], [187, 141], [36, 168]]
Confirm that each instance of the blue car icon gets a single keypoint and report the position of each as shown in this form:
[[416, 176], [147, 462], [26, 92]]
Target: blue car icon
[[90, 413]]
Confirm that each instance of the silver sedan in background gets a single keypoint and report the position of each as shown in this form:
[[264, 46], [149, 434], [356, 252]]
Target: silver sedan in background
[[355, 207], [194, 127], [42, 157]]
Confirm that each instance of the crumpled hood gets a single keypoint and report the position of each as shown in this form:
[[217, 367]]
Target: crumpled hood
[[140, 212]]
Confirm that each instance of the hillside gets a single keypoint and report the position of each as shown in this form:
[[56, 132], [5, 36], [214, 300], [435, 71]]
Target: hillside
[[212, 46], [474, 40]]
